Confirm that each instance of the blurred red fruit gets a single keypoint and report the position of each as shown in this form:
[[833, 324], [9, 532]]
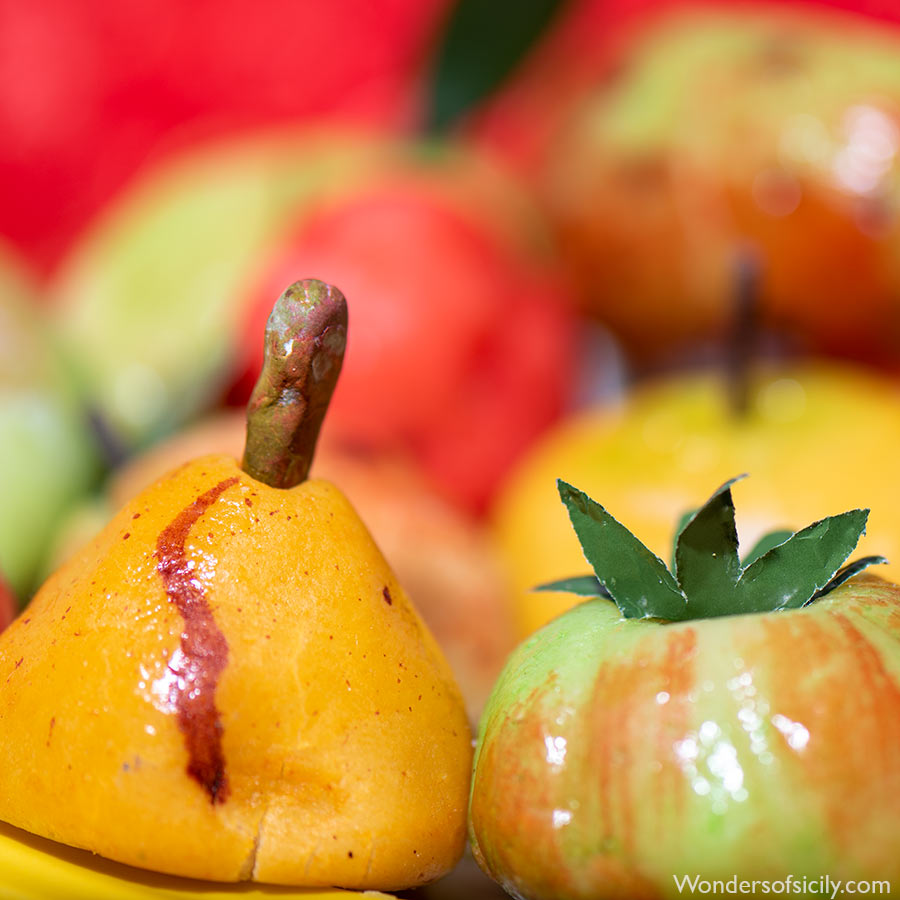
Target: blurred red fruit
[[8, 605], [90, 89]]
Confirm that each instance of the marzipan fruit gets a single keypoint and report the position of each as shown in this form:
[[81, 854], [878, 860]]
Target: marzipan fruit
[[228, 682]]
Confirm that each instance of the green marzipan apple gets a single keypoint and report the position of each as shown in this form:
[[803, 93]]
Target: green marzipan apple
[[732, 717]]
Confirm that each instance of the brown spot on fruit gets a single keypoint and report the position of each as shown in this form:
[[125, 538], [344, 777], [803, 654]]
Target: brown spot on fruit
[[387, 596], [204, 651]]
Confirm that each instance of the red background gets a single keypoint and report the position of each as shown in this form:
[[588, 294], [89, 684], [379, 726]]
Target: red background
[[90, 90]]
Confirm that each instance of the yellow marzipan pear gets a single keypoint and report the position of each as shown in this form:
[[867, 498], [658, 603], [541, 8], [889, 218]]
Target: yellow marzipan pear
[[228, 682]]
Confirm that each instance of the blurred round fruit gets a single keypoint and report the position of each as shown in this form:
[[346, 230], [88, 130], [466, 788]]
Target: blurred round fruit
[[47, 457], [767, 129], [585, 48], [445, 561], [816, 441], [462, 341]]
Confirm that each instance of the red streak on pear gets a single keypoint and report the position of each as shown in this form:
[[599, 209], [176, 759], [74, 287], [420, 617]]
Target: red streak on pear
[[204, 651]]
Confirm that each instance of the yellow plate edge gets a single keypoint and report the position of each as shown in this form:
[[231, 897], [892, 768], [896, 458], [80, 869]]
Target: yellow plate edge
[[33, 868]]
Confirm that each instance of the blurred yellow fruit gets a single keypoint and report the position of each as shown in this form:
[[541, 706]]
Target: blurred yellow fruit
[[816, 441]]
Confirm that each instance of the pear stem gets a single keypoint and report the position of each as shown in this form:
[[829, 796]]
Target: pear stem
[[304, 348]]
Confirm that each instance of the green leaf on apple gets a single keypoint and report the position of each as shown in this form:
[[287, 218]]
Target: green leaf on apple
[[707, 565], [846, 573], [638, 581], [682, 521], [583, 585], [790, 574], [783, 570], [765, 544], [480, 45]]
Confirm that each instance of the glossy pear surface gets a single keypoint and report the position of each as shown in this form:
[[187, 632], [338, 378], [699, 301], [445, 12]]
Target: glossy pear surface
[[446, 561], [228, 683]]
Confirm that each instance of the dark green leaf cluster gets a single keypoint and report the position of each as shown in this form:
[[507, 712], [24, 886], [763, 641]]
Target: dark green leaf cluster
[[708, 578]]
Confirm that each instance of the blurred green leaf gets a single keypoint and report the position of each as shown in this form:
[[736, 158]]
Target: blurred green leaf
[[482, 42]]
